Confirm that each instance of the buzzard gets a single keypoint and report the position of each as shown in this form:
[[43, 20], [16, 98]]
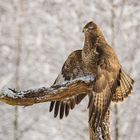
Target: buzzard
[[97, 58]]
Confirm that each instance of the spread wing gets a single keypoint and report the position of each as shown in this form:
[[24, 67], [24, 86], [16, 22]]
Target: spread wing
[[71, 69], [103, 90], [125, 87]]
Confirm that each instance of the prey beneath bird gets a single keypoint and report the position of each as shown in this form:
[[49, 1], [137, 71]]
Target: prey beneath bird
[[96, 58]]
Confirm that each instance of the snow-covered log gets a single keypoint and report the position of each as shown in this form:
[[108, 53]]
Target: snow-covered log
[[55, 92]]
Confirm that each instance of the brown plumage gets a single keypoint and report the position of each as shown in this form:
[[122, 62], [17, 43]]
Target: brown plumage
[[72, 68], [99, 59], [111, 82]]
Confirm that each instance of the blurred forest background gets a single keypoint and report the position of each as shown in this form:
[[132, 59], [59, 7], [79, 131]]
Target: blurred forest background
[[36, 36]]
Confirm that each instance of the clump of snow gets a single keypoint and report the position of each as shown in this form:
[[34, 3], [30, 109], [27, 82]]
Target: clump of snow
[[86, 79], [100, 133], [6, 92]]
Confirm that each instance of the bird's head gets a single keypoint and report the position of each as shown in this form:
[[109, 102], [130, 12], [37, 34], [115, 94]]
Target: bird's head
[[90, 27], [93, 34]]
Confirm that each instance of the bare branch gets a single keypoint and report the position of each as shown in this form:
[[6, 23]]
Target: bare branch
[[56, 92]]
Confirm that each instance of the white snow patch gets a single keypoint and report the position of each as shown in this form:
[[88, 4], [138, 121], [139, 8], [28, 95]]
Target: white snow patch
[[60, 79], [9, 93], [85, 79], [100, 133]]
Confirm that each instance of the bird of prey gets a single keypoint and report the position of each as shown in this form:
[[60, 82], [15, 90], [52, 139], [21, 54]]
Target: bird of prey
[[111, 82]]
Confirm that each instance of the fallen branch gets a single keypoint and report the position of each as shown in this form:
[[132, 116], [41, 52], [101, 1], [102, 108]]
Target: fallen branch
[[53, 93]]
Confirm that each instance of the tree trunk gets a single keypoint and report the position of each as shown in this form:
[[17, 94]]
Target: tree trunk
[[102, 132]]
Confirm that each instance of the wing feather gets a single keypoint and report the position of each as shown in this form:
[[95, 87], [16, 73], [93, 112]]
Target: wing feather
[[125, 87], [57, 104], [51, 106], [72, 68], [67, 110], [62, 110]]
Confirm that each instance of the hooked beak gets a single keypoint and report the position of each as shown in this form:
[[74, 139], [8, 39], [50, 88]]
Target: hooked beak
[[84, 30]]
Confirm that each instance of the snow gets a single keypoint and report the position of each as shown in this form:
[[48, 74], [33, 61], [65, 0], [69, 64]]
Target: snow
[[8, 93], [86, 79]]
